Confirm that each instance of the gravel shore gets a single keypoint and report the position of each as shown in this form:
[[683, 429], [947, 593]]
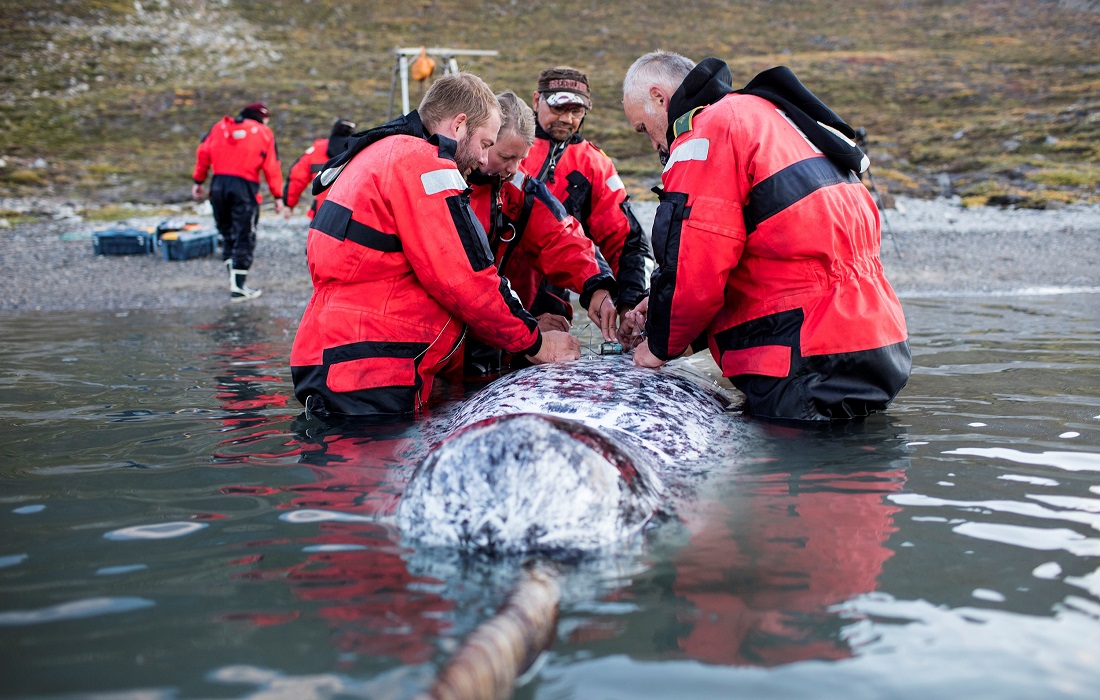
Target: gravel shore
[[929, 248]]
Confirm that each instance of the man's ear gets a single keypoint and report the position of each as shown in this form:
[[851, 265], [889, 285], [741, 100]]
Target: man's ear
[[658, 96], [535, 100], [457, 126]]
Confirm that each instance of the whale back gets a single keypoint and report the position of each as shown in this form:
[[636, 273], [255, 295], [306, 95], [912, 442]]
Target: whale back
[[527, 483], [668, 416], [564, 457]]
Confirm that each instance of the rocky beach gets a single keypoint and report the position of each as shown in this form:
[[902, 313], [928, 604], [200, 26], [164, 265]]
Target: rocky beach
[[929, 248]]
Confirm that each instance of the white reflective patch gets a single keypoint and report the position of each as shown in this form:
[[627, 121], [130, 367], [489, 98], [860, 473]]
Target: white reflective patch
[[615, 183], [310, 149], [327, 176], [800, 133], [517, 179], [694, 149], [441, 180], [239, 134]]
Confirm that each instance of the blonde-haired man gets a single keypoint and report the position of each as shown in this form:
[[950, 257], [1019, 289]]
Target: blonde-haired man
[[400, 266]]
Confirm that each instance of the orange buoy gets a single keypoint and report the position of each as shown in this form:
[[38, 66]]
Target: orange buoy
[[423, 67]]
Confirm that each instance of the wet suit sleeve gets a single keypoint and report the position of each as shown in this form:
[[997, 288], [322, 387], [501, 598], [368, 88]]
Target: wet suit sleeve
[[202, 160], [565, 255], [273, 172], [698, 236], [449, 253], [623, 243], [300, 176]]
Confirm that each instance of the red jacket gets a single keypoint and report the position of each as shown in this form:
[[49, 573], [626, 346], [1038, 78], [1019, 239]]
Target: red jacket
[[240, 148], [399, 266], [583, 178], [302, 174], [772, 249], [528, 227]]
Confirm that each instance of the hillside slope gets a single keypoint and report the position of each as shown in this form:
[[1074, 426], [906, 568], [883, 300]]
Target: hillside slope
[[104, 100]]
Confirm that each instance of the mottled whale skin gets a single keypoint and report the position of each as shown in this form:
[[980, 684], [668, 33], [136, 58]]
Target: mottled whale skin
[[561, 458]]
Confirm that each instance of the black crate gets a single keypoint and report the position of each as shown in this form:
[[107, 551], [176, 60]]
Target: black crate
[[124, 241], [185, 245]]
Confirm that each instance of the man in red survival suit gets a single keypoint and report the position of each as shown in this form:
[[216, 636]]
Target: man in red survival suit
[[532, 237], [400, 266], [310, 162], [238, 149], [767, 241], [583, 178]]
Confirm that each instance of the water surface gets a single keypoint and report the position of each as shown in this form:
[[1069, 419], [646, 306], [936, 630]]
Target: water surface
[[172, 529]]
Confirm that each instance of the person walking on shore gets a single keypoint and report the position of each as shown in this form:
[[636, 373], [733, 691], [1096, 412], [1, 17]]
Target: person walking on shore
[[238, 149]]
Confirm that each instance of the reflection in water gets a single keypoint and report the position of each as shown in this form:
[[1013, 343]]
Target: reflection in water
[[948, 550], [354, 567], [770, 545]]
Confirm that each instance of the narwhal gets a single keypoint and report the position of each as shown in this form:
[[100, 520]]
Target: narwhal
[[562, 458]]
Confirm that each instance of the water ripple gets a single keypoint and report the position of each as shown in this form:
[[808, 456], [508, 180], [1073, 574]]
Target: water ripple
[[309, 515], [1015, 507], [1043, 539], [1069, 461], [159, 531], [74, 610]]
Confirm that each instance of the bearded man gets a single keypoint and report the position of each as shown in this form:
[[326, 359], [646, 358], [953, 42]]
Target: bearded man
[[583, 178], [400, 266]]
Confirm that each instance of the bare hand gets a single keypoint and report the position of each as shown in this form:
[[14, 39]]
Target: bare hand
[[557, 347], [633, 324], [288, 212], [196, 192], [553, 322], [278, 206], [601, 310], [643, 357]]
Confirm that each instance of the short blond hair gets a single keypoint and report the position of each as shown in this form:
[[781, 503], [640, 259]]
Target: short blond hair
[[516, 116], [458, 93]]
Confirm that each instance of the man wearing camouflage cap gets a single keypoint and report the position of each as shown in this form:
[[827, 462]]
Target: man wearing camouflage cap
[[584, 179]]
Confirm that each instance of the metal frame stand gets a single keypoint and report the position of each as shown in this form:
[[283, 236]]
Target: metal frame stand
[[402, 58]]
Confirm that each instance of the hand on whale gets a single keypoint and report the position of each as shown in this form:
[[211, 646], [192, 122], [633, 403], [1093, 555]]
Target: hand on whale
[[560, 458]]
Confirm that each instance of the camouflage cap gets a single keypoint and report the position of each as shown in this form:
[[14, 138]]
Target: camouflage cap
[[563, 85]]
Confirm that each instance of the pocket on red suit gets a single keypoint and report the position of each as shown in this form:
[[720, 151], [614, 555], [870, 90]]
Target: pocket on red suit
[[765, 360]]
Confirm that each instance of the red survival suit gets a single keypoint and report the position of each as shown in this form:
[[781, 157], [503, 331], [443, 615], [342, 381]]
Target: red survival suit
[[302, 173], [238, 150], [583, 178], [533, 238], [308, 165], [399, 266], [772, 248]]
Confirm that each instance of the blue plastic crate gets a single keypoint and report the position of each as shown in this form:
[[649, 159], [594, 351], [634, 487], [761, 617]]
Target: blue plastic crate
[[124, 241], [185, 245]]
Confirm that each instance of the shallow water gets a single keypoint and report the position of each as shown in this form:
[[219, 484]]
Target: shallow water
[[170, 529]]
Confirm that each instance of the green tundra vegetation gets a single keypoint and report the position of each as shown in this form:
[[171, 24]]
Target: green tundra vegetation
[[997, 101]]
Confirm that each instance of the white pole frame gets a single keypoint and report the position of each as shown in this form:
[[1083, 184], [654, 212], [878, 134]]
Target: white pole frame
[[402, 58]]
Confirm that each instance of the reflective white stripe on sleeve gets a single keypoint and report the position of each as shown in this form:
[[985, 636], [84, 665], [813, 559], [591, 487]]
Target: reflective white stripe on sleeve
[[440, 180], [327, 176], [615, 183], [695, 149]]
